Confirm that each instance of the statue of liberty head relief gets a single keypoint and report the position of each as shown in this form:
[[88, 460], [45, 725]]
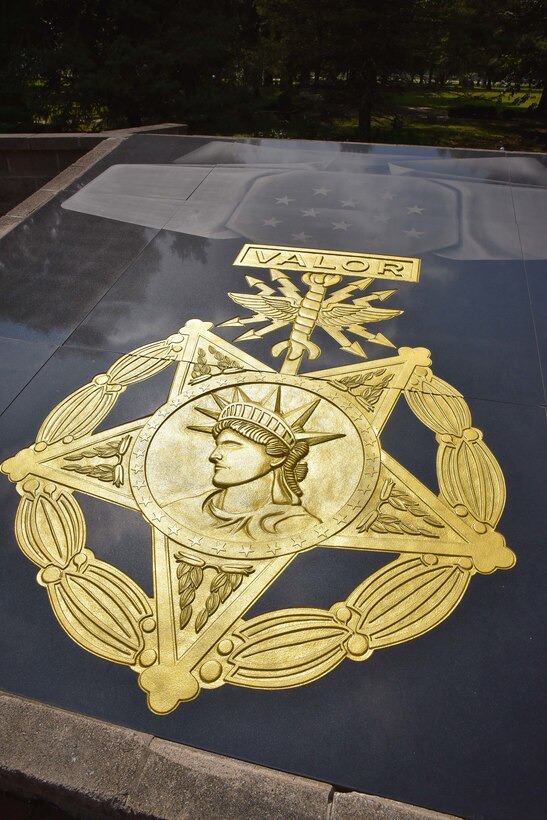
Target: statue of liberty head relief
[[258, 460]]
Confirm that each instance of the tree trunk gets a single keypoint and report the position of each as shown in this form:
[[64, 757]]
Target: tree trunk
[[542, 104], [368, 86]]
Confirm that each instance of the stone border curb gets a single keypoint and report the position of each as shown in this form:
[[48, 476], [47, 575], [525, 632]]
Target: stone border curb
[[58, 183], [93, 769], [107, 142]]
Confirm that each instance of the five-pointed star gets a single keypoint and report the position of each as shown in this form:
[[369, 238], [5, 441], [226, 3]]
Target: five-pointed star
[[310, 212], [272, 221], [302, 237], [413, 209], [283, 200], [381, 217], [341, 226], [413, 233], [321, 191], [51, 463], [219, 548], [348, 203]]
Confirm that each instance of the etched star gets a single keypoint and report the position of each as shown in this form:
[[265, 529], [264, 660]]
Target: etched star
[[413, 233], [348, 203], [219, 548], [310, 212], [321, 191], [274, 550], [140, 484], [174, 530], [195, 541], [413, 209], [272, 222], [246, 551], [301, 237], [341, 226], [283, 200]]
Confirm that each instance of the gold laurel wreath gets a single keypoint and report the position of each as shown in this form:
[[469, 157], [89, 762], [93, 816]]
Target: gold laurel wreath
[[107, 613]]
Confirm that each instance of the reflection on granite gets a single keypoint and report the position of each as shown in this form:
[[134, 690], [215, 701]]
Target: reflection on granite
[[144, 242]]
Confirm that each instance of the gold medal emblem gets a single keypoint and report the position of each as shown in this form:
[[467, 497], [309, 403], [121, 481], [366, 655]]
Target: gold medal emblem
[[242, 469]]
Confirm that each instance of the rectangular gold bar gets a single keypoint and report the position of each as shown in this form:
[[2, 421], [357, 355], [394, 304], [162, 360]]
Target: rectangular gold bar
[[312, 260]]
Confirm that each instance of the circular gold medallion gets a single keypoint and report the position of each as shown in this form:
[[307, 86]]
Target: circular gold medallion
[[261, 466]]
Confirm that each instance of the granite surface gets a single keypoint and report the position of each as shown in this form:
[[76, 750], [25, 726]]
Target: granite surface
[[143, 241]]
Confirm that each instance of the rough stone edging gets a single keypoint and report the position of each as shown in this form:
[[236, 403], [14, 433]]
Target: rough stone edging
[[93, 769]]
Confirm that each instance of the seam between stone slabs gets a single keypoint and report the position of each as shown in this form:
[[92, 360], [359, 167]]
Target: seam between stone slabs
[[532, 312]]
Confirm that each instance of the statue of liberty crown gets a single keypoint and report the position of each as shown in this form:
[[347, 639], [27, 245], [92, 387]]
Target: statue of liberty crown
[[267, 415]]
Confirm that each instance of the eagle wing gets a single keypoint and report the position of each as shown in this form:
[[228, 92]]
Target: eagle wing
[[339, 315], [272, 307]]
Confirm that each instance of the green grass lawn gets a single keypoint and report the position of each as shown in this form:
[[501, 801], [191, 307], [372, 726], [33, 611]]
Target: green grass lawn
[[419, 115]]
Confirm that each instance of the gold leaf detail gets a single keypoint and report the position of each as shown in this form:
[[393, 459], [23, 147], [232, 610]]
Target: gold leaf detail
[[50, 528], [470, 475], [143, 363], [287, 648], [190, 577], [101, 608], [78, 414], [406, 599], [439, 406], [223, 584]]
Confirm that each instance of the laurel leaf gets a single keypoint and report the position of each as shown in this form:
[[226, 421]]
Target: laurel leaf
[[218, 581], [196, 576], [212, 603], [201, 620], [186, 597], [225, 591], [185, 615], [432, 522]]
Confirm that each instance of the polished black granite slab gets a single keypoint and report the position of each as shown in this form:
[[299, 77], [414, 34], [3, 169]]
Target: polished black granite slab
[[454, 720]]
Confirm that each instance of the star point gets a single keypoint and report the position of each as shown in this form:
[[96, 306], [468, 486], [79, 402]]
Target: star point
[[310, 212], [413, 233], [413, 209], [341, 226], [321, 191], [272, 222], [283, 200]]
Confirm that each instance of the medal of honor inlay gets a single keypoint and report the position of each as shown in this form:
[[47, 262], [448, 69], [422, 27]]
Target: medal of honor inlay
[[242, 468]]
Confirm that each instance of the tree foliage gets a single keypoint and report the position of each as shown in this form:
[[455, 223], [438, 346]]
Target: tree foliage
[[108, 63]]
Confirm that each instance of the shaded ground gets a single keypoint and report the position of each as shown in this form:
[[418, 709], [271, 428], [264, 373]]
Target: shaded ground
[[17, 808], [415, 115]]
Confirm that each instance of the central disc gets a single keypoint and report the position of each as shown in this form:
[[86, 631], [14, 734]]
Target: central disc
[[256, 467]]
